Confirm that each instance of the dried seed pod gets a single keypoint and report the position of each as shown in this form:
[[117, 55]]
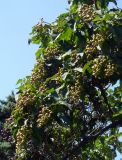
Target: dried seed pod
[[94, 45], [103, 67], [26, 99], [86, 12], [43, 116], [75, 91], [38, 72], [22, 137], [52, 52]]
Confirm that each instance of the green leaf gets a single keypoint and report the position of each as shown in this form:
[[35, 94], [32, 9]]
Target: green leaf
[[38, 53], [118, 116], [52, 90], [87, 67], [66, 35], [19, 81]]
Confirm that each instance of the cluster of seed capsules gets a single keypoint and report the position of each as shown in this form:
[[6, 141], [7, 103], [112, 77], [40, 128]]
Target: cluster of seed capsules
[[9, 122], [22, 137], [52, 52], [75, 92], [5, 135], [86, 12], [75, 58], [43, 116], [42, 89], [25, 99], [94, 45], [59, 76], [38, 27], [103, 67], [38, 72], [24, 103]]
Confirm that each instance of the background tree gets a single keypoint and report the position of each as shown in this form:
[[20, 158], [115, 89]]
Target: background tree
[[7, 143], [69, 107]]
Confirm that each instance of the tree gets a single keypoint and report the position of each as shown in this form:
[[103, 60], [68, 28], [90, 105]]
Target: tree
[[7, 145], [70, 107]]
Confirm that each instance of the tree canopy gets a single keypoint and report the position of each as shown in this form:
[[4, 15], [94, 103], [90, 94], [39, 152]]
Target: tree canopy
[[7, 142], [70, 107]]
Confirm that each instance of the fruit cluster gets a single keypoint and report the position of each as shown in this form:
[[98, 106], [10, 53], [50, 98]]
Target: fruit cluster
[[42, 88], [75, 57], [43, 116], [22, 137], [52, 52], [25, 99], [75, 91], [9, 121], [103, 66], [39, 26], [94, 44], [38, 72], [56, 30], [59, 75], [5, 135], [86, 13]]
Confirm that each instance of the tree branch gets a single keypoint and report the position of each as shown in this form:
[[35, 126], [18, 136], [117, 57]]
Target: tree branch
[[88, 139]]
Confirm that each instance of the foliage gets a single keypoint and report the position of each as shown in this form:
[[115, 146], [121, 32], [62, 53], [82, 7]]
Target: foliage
[[7, 143], [69, 107]]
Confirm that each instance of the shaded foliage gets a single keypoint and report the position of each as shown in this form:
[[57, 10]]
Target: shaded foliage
[[7, 143]]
